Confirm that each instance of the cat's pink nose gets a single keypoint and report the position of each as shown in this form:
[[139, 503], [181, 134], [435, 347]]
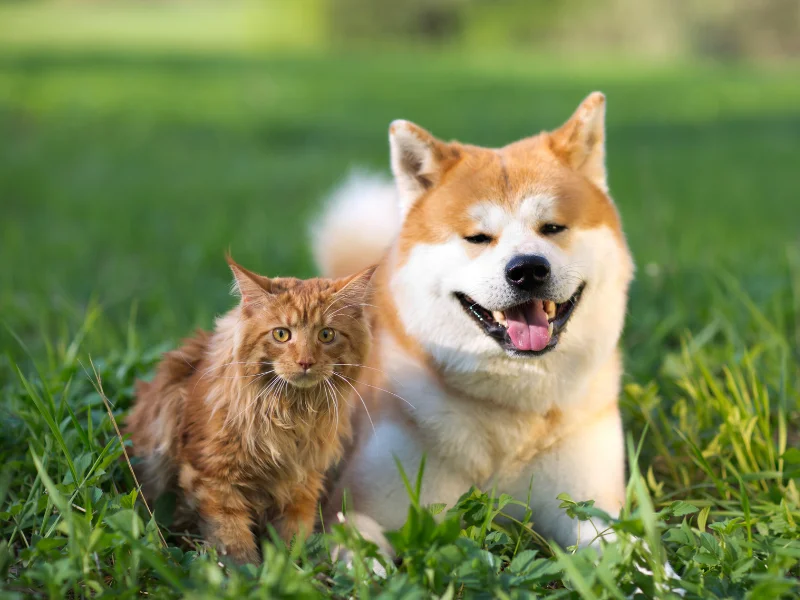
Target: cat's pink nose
[[306, 364]]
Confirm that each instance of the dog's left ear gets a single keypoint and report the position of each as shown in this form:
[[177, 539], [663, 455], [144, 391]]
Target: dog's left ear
[[418, 161], [581, 140]]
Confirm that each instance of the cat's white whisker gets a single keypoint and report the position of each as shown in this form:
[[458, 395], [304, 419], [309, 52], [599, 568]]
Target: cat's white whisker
[[340, 297], [381, 389], [324, 388], [335, 402], [360, 397], [235, 362], [262, 394], [341, 308], [365, 367], [257, 377], [273, 394], [204, 374]]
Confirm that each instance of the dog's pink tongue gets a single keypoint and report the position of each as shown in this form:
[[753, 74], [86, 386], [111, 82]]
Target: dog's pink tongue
[[527, 326]]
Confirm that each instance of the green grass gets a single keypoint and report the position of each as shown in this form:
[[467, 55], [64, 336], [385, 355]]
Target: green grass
[[125, 175]]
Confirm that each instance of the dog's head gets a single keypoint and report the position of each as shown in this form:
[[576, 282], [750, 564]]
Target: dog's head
[[514, 252]]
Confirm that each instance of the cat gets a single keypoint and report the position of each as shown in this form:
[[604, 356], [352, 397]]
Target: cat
[[242, 423]]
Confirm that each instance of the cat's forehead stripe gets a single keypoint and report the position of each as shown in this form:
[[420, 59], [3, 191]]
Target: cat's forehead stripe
[[304, 305]]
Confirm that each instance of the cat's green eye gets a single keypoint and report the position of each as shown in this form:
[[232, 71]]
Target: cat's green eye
[[327, 335], [281, 334]]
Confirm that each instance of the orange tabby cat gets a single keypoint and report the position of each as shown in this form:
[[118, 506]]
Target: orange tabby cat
[[243, 422]]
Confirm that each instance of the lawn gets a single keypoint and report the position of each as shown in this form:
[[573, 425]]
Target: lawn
[[126, 174]]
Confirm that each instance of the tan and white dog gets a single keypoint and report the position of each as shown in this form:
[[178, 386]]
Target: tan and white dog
[[498, 308]]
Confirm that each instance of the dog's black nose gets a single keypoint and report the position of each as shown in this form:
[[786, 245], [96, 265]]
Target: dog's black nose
[[527, 271]]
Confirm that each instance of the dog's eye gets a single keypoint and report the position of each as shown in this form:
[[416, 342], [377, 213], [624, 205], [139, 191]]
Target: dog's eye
[[478, 238], [552, 228]]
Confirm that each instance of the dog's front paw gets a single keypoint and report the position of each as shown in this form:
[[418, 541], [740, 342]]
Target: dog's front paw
[[665, 586], [368, 529]]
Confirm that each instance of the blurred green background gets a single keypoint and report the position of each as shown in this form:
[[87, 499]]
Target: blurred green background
[[140, 140]]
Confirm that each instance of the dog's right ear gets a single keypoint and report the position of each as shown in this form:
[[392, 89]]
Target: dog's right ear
[[581, 140], [418, 161]]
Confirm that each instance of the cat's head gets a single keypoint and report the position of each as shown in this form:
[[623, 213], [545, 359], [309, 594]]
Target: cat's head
[[301, 331]]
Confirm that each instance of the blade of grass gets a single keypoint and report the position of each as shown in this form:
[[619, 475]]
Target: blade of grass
[[48, 418], [98, 386]]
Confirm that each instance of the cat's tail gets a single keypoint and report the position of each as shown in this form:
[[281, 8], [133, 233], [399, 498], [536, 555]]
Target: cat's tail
[[358, 224]]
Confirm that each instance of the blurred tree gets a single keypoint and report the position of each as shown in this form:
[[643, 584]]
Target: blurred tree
[[721, 29], [746, 29], [425, 20], [532, 23]]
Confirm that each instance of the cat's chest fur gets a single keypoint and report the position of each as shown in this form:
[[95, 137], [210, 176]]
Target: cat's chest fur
[[272, 444], [290, 450]]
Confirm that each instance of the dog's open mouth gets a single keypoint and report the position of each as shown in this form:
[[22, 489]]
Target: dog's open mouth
[[531, 328]]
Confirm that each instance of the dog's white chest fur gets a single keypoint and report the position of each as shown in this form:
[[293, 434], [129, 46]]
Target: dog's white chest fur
[[469, 442]]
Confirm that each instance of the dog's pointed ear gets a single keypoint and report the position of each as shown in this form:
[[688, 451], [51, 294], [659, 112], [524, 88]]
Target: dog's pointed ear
[[581, 140], [247, 285], [418, 160]]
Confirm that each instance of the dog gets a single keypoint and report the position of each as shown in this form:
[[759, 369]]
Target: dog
[[497, 310]]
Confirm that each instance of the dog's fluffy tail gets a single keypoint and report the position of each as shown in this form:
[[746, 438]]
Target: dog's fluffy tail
[[357, 225]]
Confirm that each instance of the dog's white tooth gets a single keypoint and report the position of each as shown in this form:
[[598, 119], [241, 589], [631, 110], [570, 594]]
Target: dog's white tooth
[[499, 316], [550, 329], [549, 308]]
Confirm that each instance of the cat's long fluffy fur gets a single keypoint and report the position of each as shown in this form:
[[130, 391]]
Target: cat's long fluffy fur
[[243, 426]]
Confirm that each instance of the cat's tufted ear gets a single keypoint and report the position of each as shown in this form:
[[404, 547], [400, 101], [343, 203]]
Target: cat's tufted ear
[[418, 161], [581, 140], [356, 288], [247, 285]]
